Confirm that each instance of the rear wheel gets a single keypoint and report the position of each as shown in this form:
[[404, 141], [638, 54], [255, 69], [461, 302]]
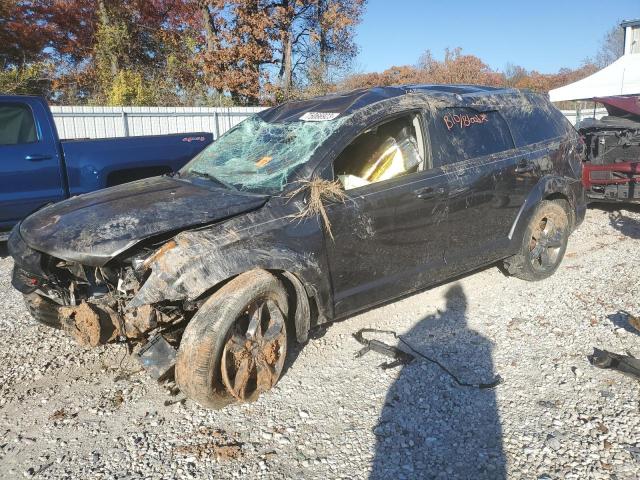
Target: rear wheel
[[234, 348], [544, 243]]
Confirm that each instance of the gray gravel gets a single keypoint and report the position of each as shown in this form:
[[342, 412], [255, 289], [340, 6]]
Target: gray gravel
[[66, 412]]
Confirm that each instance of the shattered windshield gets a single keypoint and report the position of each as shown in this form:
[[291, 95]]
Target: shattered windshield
[[258, 156]]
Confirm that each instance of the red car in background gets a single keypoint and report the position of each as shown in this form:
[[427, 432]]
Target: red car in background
[[612, 168]]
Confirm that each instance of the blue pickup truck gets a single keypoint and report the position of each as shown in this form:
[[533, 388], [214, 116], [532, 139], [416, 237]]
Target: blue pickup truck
[[37, 168]]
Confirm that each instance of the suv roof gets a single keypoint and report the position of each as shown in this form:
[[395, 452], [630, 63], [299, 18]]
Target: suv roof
[[348, 102]]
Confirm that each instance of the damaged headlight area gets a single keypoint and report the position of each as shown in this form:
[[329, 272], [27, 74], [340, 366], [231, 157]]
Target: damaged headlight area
[[92, 303]]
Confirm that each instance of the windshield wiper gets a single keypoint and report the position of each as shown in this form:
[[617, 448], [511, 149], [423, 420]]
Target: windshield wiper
[[208, 176]]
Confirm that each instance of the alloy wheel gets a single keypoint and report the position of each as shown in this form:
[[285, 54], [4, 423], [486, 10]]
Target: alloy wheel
[[253, 356]]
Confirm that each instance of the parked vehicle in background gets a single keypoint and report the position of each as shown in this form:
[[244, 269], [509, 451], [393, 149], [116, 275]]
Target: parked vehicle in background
[[612, 168], [306, 213], [37, 168]]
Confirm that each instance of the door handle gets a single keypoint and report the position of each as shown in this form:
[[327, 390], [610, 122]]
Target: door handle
[[429, 192], [524, 167], [37, 158]]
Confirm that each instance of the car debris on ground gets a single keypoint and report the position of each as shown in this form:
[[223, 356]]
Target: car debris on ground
[[625, 364], [401, 357]]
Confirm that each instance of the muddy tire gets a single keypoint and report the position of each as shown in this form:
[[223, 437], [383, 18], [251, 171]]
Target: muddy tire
[[235, 346], [544, 242]]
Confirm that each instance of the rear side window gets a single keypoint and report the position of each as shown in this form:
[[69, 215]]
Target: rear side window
[[459, 134], [535, 123], [565, 126], [16, 125]]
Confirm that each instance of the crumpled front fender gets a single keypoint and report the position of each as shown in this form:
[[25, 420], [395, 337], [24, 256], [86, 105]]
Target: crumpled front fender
[[196, 261]]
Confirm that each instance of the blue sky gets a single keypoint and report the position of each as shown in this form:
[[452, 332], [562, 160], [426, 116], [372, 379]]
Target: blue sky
[[544, 35]]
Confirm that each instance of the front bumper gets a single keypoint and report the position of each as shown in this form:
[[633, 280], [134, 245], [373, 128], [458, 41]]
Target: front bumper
[[28, 263], [614, 182]]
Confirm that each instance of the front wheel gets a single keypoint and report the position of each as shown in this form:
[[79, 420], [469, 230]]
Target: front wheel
[[234, 348], [544, 243]]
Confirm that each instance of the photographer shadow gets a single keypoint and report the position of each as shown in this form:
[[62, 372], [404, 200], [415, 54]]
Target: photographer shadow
[[431, 427]]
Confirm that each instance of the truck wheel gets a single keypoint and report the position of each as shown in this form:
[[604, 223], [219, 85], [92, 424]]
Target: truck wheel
[[235, 346], [544, 243]]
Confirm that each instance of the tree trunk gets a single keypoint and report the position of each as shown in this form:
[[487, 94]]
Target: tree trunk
[[209, 28], [286, 40], [106, 22], [322, 42], [287, 64], [253, 98]]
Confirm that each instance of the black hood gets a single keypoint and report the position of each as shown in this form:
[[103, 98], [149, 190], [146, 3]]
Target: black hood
[[93, 228]]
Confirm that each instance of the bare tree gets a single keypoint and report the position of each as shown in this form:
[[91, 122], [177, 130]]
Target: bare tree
[[611, 47], [514, 74]]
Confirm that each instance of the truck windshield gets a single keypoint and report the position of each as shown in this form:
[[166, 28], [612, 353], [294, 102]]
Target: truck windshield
[[258, 156]]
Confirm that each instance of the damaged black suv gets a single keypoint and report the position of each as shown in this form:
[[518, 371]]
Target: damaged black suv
[[304, 214]]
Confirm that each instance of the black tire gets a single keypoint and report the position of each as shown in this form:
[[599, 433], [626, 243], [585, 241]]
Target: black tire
[[42, 310], [544, 242], [203, 362]]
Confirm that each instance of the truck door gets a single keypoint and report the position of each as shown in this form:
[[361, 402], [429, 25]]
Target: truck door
[[30, 168]]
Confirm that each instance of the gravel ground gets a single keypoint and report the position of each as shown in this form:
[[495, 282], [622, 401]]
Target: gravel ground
[[66, 412]]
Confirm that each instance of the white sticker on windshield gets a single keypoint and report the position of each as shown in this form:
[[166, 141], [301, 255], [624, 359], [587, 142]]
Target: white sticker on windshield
[[318, 116]]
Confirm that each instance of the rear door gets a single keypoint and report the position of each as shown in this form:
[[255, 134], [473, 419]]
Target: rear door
[[30, 167], [476, 150]]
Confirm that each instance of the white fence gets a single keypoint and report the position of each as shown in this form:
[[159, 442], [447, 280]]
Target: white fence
[[104, 122], [577, 116]]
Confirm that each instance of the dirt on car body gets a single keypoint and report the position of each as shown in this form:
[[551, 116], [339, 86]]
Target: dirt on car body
[[304, 214]]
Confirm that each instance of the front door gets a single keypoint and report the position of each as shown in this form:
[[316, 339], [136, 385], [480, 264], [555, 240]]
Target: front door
[[30, 167], [387, 238]]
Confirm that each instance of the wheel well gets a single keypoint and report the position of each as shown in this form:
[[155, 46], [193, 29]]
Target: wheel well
[[561, 197], [303, 308], [124, 176]]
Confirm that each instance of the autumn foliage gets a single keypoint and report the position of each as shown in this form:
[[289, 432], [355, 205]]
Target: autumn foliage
[[210, 52], [143, 52], [457, 67]]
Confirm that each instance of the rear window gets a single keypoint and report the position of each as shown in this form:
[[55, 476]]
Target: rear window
[[16, 125], [459, 134], [535, 123]]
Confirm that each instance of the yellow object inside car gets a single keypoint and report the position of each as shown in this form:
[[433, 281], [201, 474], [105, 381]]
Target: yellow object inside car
[[388, 165], [386, 152]]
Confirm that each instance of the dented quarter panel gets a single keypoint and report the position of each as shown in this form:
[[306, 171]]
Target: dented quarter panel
[[548, 186]]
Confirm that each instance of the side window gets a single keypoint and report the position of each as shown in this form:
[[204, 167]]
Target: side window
[[459, 134], [387, 151], [535, 123], [564, 125], [16, 125]]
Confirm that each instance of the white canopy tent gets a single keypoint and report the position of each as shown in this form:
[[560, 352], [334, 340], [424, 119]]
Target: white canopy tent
[[622, 77]]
